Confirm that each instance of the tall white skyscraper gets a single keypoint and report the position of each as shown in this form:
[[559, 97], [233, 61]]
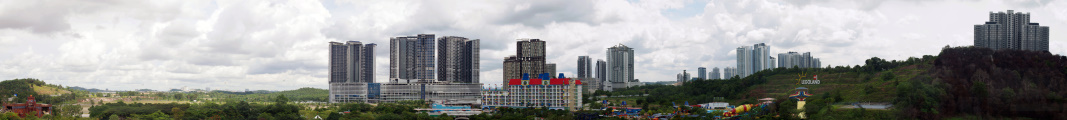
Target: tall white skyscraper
[[715, 74], [773, 63], [752, 59], [760, 57], [744, 60], [729, 72]]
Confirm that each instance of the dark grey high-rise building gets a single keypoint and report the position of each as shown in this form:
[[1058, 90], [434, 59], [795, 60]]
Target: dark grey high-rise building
[[412, 58], [683, 78], [584, 67], [1011, 30], [601, 70], [457, 59], [351, 61], [550, 68], [529, 59], [351, 68], [702, 73]]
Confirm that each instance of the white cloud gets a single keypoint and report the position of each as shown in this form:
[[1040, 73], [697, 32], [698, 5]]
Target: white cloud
[[280, 45]]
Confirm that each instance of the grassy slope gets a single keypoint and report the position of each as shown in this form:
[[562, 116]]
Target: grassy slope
[[49, 90], [851, 84]]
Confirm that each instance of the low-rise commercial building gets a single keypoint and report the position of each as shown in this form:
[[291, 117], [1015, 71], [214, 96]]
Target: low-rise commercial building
[[553, 93]]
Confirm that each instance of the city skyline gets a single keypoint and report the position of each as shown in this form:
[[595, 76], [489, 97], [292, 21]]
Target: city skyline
[[237, 45]]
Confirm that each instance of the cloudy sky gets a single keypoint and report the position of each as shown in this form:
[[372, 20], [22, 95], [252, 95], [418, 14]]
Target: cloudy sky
[[281, 45]]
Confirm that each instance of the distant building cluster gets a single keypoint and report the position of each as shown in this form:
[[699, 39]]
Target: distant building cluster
[[1011, 30], [715, 73], [529, 59], [683, 77], [617, 71], [614, 73], [753, 59], [790, 59], [416, 71]]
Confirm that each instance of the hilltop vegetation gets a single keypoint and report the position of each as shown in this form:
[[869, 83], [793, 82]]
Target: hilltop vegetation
[[1002, 83], [298, 95], [44, 93], [959, 82]]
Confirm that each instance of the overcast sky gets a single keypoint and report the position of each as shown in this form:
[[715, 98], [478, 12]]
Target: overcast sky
[[282, 45]]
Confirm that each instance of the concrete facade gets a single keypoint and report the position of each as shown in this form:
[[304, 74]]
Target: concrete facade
[[1011, 30], [620, 65], [715, 74], [702, 73], [585, 68], [552, 93], [412, 57], [529, 58], [351, 61], [457, 60], [805, 60]]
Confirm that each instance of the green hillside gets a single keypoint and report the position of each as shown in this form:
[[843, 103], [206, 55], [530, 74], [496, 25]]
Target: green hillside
[[873, 83], [44, 93], [961, 82], [298, 95]]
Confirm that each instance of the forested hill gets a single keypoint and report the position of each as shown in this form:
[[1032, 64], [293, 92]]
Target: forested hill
[[43, 92], [961, 82], [1002, 83]]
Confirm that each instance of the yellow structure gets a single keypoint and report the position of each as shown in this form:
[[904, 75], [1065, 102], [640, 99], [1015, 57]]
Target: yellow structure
[[800, 95]]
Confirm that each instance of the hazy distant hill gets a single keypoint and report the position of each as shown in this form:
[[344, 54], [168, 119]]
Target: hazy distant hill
[[298, 95]]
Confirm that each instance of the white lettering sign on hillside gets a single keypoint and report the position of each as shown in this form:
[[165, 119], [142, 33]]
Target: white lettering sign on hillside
[[814, 81]]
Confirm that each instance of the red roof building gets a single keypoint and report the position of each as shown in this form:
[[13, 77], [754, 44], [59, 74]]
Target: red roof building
[[553, 93], [29, 108]]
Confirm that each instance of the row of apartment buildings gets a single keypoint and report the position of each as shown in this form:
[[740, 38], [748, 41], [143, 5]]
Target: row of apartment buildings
[[617, 72], [427, 68], [752, 59], [1011, 30], [421, 67]]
